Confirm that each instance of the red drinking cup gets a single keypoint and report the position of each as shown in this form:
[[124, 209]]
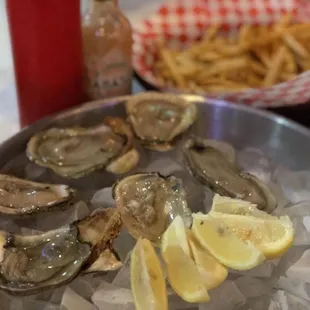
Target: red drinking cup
[[47, 53]]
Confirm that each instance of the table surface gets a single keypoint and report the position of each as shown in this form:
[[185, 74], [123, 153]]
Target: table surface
[[135, 10]]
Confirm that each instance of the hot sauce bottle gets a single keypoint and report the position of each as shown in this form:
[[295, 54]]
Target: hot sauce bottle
[[107, 46]]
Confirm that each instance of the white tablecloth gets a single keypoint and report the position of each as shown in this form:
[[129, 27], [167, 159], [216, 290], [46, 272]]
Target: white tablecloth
[[134, 9]]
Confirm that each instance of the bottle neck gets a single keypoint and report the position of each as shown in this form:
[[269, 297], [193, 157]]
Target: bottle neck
[[102, 5], [102, 1]]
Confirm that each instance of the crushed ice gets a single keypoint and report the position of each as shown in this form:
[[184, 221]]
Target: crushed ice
[[275, 285]]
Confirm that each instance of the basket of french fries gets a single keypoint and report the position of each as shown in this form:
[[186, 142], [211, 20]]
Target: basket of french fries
[[253, 52]]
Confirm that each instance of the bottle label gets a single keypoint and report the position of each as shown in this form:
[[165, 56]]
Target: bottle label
[[109, 76]]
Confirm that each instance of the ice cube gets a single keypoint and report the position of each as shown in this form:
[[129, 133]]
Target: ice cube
[[60, 217], [302, 230], [275, 306], [80, 211], [57, 295], [28, 304], [9, 225], [34, 172], [261, 271], [226, 297], [103, 198], [44, 296], [252, 287], [71, 300], [5, 300], [175, 302], [109, 296], [122, 278], [16, 304], [295, 185], [287, 260], [282, 201], [298, 210], [195, 192], [300, 270], [288, 301], [86, 285], [261, 303], [163, 165], [124, 244], [294, 287], [256, 163]]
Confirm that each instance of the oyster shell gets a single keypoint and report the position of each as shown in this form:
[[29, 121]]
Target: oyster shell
[[20, 197], [100, 230], [157, 119], [30, 263], [148, 202], [216, 169], [74, 152]]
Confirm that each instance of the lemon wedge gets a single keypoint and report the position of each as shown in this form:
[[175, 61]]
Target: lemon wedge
[[236, 206], [147, 281], [272, 236], [212, 272], [215, 236], [183, 275], [175, 235]]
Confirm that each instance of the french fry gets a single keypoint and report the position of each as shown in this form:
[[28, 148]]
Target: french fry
[[284, 22], [211, 33], [275, 67], [254, 80], [294, 45], [253, 58], [262, 55], [244, 34], [258, 68], [299, 30], [224, 65], [210, 56], [290, 63], [173, 68]]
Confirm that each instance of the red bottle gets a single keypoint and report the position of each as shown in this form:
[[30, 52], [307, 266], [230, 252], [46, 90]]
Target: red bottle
[[47, 52]]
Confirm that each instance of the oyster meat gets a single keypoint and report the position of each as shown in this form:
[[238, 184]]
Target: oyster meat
[[30, 263], [216, 168], [20, 197], [157, 119], [148, 202], [74, 152]]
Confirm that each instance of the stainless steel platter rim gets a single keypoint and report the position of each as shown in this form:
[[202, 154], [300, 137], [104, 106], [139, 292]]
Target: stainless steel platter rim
[[91, 105]]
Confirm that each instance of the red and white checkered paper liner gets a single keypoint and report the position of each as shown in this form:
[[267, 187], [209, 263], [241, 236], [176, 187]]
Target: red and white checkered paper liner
[[181, 22]]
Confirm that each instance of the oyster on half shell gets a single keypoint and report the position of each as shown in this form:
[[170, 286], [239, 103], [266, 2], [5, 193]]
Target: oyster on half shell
[[216, 168], [21, 197], [148, 202], [74, 152], [157, 119], [31, 263]]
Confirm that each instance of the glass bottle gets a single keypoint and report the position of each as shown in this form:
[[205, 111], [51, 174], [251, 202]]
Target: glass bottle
[[107, 41]]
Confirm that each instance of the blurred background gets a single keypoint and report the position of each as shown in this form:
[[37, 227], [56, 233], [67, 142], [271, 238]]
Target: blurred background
[[134, 9]]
